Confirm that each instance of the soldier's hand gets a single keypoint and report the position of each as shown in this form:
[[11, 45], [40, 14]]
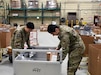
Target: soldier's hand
[[29, 48], [57, 48]]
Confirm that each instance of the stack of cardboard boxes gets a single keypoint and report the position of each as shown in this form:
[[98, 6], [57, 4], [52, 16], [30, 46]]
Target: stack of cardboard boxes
[[6, 32]]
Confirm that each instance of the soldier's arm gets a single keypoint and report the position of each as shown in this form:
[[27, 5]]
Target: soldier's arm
[[28, 41], [59, 46], [18, 39], [65, 42]]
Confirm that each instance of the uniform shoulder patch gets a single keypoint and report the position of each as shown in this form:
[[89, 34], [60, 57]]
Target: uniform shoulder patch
[[18, 35]]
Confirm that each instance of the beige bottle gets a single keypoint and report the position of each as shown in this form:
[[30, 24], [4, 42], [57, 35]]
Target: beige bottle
[[49, 56]]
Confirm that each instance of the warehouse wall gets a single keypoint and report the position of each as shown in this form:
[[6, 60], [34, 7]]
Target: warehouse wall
[[84, 9]]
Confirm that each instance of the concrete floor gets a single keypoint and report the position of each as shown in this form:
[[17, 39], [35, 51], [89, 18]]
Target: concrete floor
[[6, 68]]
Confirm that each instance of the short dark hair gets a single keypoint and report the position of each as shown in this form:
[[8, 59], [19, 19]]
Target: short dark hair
[[51, 28], [15, 24], [30, 25]]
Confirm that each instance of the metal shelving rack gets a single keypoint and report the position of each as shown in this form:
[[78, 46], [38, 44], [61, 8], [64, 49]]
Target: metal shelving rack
[[2, 10], [25, 11], [22, 11], [51, 11]]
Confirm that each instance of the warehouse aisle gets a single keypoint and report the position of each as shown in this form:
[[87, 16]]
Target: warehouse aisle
[[6, 68], [44, 39]]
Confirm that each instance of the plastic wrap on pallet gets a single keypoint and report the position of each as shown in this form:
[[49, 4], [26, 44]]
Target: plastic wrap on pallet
[[33, 38], [51, 4], [33, 4]]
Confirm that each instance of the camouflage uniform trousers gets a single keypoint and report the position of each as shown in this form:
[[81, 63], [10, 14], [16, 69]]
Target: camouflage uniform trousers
[[75, 58]]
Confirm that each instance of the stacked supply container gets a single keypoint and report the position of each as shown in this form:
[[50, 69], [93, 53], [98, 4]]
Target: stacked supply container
[[15, 3], [33, 4], [51, 4]]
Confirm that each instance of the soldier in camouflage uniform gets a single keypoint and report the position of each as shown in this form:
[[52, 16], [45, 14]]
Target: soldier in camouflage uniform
[[71, 43], [21, 35]]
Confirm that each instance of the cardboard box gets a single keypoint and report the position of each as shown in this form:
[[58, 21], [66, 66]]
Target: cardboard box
[[0, 49], [94, 62], [12, 30], [5, 35], [87, 40], [5, 39]]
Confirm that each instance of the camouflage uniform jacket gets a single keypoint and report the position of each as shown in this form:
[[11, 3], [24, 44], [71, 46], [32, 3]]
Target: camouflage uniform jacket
[[20, 36], [69, 40]]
